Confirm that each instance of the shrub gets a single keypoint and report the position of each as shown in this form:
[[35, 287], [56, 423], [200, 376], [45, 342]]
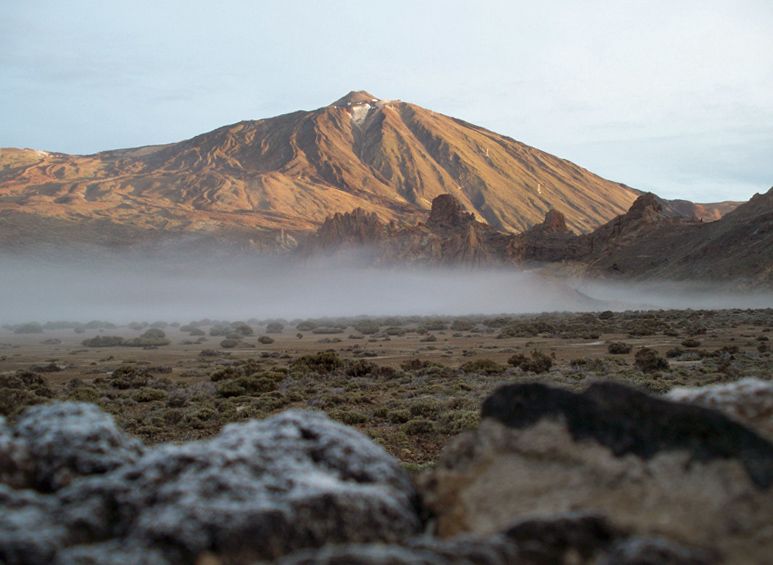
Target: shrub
[[426, 407], [462, 325], [648, 360], [349, 417], [28, 328], [361, 368], [418, 426], [229, 343], [241, 329], [225, 373], [258, 383], [483, 366], [517, 360], [152, 337], [146, 394], [674, 352], [433, 325], [417, 365], [366, 327], [587, 364], [103, 341], [619, 348], [274, 328], [126, 377], [265, 340], [324, 362], [539, 362]]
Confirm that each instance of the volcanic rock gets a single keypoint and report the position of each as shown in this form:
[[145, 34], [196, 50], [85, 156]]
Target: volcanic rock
[[655, 467], [571, 538], [448, 212], [748, 400], [54, 444], [256, 491]]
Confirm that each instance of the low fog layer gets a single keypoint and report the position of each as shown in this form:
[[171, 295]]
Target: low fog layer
[[124, 289]]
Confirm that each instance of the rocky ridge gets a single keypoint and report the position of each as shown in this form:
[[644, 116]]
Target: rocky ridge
[[647, 241]]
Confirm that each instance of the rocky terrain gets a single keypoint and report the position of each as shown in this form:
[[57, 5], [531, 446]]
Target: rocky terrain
[[650, 240], [611, 475], [263, 184], [607, 437]]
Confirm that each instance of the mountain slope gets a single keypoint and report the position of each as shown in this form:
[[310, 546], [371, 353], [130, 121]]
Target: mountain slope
[[290, 172]]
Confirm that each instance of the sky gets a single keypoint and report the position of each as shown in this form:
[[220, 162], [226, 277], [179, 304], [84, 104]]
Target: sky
[[673, 97]]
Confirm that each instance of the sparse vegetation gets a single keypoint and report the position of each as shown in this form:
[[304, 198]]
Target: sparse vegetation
[[409, 394]]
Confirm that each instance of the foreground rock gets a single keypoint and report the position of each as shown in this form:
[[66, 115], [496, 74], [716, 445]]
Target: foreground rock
[[651, 466], [51, 445], [570, 539], [749, 401], [258, 490]]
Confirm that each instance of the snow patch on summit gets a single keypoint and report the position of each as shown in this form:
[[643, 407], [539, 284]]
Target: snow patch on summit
[[359, 112]]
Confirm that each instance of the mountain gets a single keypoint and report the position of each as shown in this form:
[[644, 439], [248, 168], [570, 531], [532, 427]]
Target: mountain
[[647, 241], [287, 174]]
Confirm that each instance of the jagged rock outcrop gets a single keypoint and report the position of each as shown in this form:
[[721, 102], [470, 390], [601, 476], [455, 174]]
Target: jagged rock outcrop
[[649, 465], [451, 235], [649, 241], [448, 213], [258, 490], [354, 229], [549, 241]]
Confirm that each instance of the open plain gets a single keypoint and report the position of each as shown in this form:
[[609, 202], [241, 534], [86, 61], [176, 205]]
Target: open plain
[[410, 383]]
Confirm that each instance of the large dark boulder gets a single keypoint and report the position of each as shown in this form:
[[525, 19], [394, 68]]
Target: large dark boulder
[[651, 466]]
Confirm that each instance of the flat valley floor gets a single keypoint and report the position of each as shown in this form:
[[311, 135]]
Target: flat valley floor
[[410, 383]]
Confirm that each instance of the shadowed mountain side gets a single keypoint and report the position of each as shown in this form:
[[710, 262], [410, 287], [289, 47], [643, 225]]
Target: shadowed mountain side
[[645, 243], [648, 241]]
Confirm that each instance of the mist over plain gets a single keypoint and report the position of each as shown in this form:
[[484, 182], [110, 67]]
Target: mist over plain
[[128, 287]]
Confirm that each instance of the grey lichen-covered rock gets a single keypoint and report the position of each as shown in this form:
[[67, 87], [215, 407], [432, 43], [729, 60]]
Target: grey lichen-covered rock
[[575, 539], [112, 553], [15, 464], [748, 400], [655, 467], [29, 532], [256, 491], [66, 440]]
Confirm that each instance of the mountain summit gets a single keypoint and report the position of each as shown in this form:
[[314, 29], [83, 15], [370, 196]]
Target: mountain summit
[[355, 97], [285, 175]]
